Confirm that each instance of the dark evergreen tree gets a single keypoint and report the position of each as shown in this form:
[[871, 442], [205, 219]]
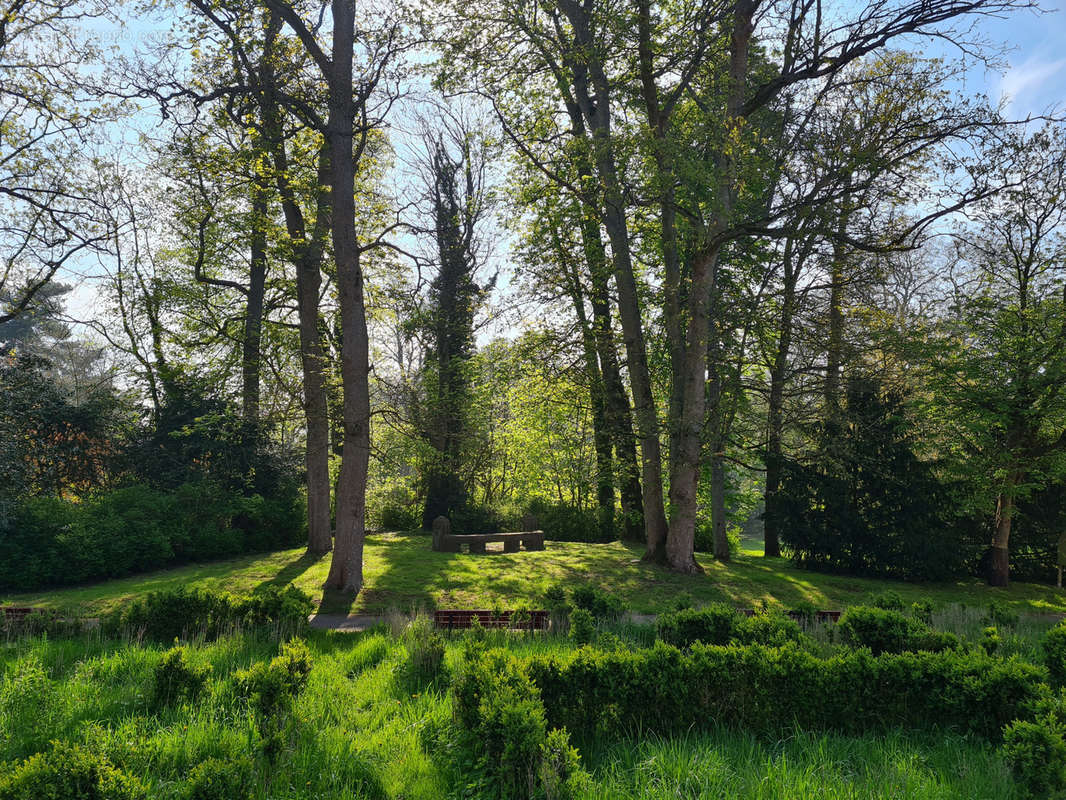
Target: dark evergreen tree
[[864, 503], [453, 300]]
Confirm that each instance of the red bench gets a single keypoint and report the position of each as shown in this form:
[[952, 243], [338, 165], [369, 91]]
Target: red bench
[[458, 620]]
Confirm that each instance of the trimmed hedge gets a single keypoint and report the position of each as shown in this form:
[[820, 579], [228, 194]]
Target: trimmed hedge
[[719, 623], [664, 690], [888, 631]]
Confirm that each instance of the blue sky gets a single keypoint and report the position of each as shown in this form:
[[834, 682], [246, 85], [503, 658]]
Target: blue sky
[[1036, 78]]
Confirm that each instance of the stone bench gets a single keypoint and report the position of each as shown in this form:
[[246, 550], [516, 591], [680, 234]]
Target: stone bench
[[445, 541]]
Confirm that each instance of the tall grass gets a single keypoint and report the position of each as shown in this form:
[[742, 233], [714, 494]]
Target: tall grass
[[356, 728]]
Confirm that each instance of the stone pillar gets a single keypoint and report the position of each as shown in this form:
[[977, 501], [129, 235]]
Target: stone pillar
[[441, 529]]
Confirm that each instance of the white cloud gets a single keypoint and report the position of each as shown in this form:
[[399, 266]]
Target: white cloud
[[1022, 86]]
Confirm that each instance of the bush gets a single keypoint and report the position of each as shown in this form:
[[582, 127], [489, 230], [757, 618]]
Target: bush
[[565, 523], [271, 687], [425, 652], [1036, 753], [721, 624], [500, 722], [67, 772], [663, 690], [885, 631], [176, 680], [30, 708], [1054, 646], [55, 542], [602, 606], [177, 613], [214, 779], [582, 626]]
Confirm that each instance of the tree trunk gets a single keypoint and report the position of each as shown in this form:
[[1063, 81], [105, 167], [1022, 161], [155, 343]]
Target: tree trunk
[[601, 434], [307, 253], [684, 473], [346, 569], [597, 111], [834, 356], [999, 567], [775, 422], [717, 426], [251, 357], [618, 415]]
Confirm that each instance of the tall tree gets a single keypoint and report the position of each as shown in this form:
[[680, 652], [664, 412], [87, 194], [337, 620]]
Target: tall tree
[[1000, 361]]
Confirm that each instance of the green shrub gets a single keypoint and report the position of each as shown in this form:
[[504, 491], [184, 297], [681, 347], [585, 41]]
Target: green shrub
[[990, 640], [175, 613], [664, 690], [582, 626], [67, 772], [53, 542], [499, 722], [565, 523], [719, 623], [178, 613], [1036, 753], [603, 607], [176, 680], [30, 708], [215, 779], [1054, 646], [713, 624], [922, 611], [271, 688], [887, 631], [889, 601], [561, 776], [1000, 615], [424, 648]]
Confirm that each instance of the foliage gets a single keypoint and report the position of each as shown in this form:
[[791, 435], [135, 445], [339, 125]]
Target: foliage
[[582, 626], [424, 647], [215, 779], [180, 613], [271, 688], [722, 624], [865, 504], [887, 631], [30, 708], [662, 690], [601, 605], [1054, 646], [1036, 752], [68, 772], [501, 722], [55, 541], [176, 680]]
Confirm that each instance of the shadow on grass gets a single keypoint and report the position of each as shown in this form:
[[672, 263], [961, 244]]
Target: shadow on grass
[[292, 570]]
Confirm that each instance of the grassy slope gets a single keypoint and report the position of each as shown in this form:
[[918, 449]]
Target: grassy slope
[[402, 572]]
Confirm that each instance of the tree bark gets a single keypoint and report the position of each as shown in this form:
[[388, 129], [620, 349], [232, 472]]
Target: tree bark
[[307, 253], [346, 568], [253, 320], [684, 473], [596, 108], [999, 566], [775, 413]]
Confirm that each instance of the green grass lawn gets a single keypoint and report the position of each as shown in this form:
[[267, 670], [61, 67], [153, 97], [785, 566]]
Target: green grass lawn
[[403, 572]]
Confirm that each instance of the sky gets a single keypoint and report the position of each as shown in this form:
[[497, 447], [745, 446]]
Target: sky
[[1036, 78]]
